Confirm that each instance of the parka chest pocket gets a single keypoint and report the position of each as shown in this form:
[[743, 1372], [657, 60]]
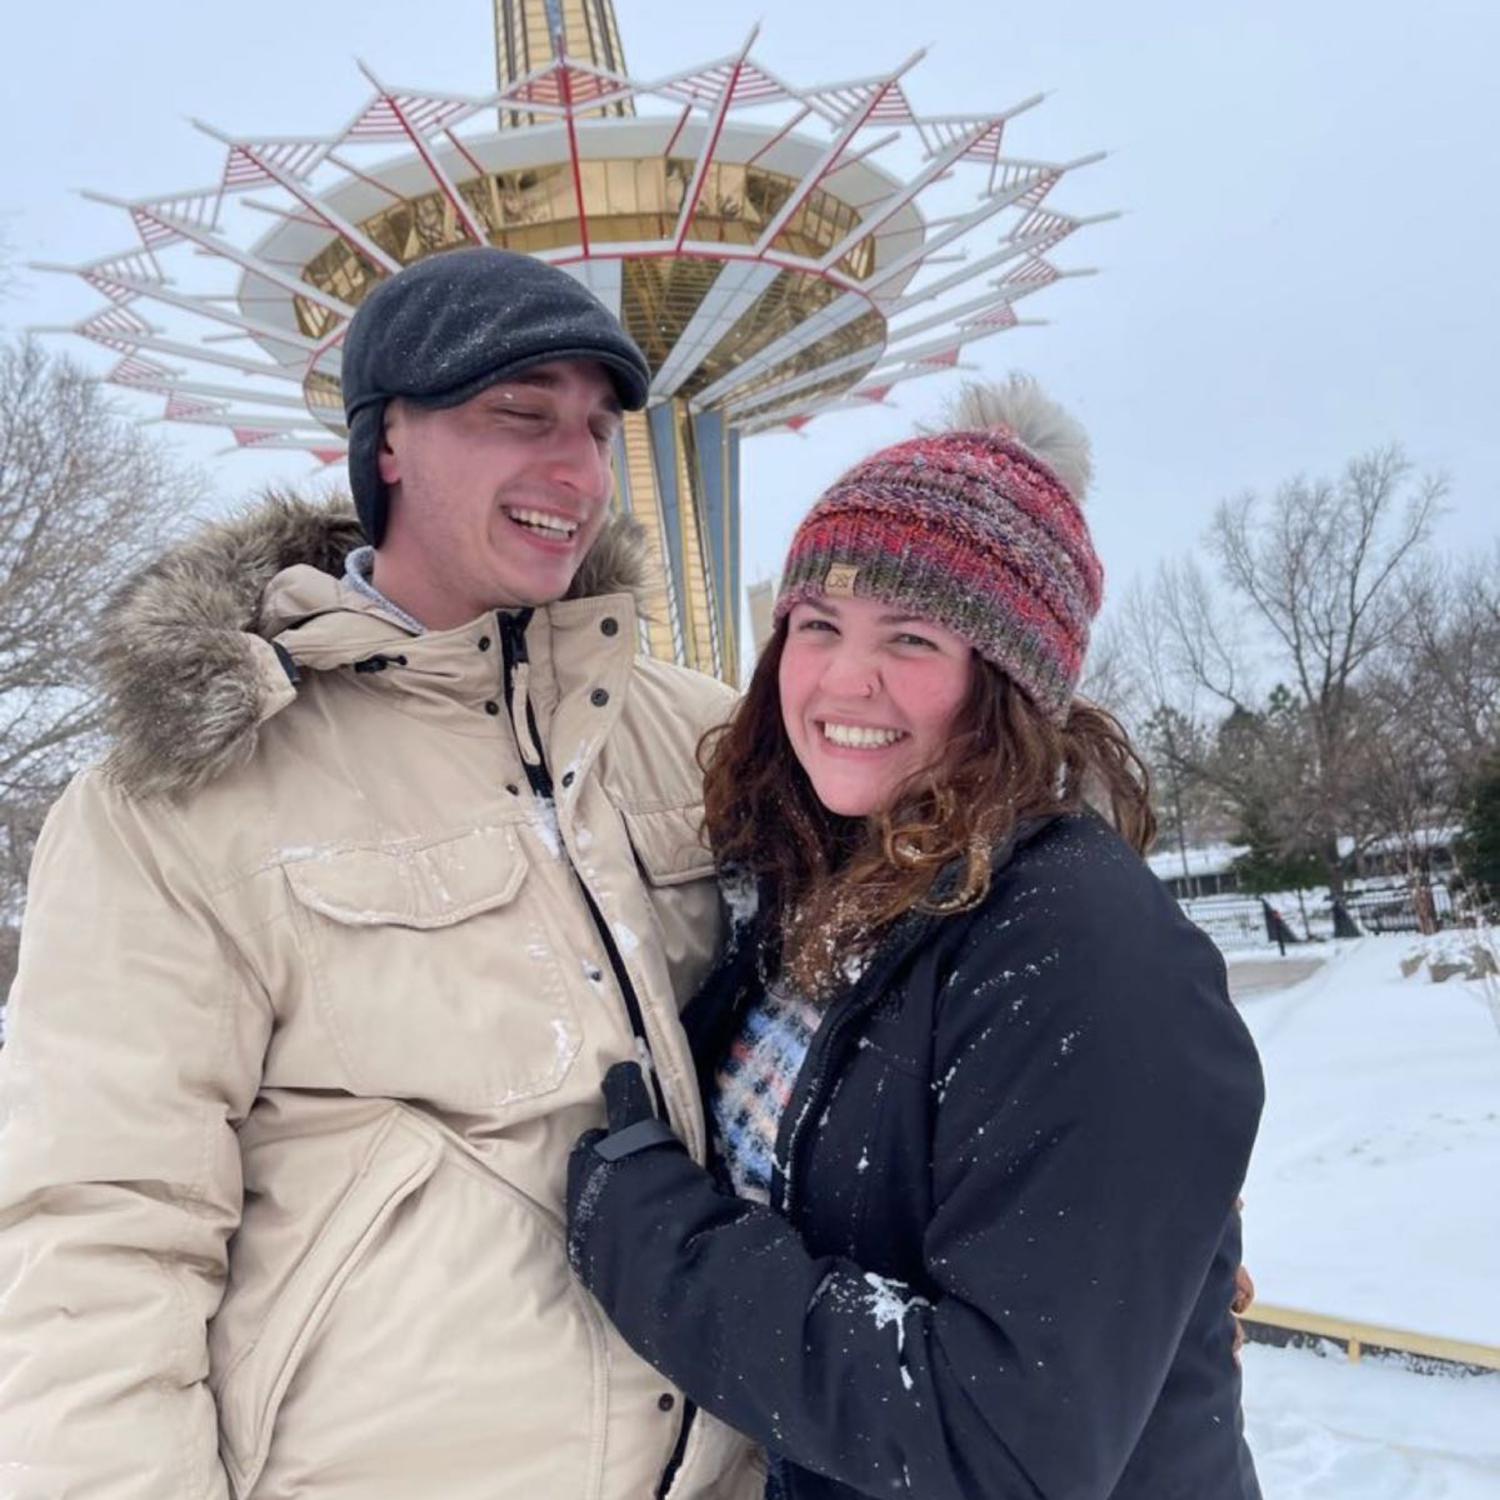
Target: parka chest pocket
[[431, 971], [679, 876]]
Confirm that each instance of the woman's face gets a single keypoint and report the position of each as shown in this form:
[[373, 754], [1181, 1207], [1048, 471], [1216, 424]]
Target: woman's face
[[868, 696]]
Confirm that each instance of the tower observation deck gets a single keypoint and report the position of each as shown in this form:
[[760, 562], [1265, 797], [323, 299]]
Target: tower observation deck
[[765, 243]]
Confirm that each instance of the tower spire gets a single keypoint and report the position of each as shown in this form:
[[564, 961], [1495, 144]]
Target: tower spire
[[529, 34]]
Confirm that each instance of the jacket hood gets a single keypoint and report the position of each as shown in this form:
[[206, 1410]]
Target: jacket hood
[[181, 660]]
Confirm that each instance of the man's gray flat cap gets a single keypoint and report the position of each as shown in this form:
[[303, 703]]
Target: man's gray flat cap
[[452, 325]]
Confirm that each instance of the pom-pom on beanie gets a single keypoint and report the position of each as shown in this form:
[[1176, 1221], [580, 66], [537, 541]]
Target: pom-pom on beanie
[[979, 528]]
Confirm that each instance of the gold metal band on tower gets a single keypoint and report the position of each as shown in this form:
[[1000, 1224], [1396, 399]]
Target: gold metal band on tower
[[636, 487]]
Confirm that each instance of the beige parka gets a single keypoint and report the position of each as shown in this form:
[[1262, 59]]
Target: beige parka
[[315, 996]]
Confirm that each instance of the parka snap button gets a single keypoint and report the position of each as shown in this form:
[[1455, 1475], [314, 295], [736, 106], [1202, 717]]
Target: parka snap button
[[609, 625], [599, 697], [484, 643], [568, 778], [491, 707], [666, 1401], [513, 789]]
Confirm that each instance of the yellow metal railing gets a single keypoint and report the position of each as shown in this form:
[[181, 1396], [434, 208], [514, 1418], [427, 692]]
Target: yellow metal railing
[[1357, 1336]]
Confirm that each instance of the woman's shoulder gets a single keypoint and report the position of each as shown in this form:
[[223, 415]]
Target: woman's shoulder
[[1074, 905], [1077, 870], [1081, 954]]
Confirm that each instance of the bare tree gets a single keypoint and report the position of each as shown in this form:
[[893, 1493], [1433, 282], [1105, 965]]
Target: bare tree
[[1110, 674], [1446, 648], [85, 497], [1159, 702], [1314, 583], [1432, 706]]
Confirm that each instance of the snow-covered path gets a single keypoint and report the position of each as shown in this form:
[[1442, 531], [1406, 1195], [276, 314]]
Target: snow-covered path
[[1372, 1196], [1323, 1429], [1373, 1193]]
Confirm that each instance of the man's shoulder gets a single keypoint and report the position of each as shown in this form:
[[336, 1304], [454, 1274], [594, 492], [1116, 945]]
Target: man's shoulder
[[652, 752], [663, 685], [97, 816]]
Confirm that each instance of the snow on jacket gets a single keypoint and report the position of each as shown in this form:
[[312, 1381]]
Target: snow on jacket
[[311, 1006], [1000, 1252]]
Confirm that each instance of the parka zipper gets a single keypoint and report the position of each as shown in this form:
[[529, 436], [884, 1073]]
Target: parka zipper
[[807, 1090], [513, 649], [890, 953]]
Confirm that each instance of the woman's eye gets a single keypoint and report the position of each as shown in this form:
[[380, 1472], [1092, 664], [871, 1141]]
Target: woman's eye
[[815, 624], [907, 639]]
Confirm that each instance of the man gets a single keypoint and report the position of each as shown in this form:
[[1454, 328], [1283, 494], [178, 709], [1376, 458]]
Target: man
[[396, 852]]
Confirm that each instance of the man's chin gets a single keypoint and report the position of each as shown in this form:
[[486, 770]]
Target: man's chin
[[530, 576], [535, 592]]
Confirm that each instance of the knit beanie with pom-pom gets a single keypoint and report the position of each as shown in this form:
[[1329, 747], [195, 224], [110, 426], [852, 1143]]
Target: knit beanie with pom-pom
[[979, 528]]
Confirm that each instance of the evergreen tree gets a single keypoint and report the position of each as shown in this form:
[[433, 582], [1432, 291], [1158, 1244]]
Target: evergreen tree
[[1479, 848], [1269, 864]]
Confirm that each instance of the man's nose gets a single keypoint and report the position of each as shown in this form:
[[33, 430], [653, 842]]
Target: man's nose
[[578, 461]]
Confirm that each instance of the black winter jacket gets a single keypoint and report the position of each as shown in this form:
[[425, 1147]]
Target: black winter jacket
[[1002, 1245]]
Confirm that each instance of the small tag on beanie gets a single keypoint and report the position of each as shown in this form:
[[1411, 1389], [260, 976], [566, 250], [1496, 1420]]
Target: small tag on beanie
[[840, 579]]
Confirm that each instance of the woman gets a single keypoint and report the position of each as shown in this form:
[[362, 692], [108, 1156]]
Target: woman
[[980, 1094]]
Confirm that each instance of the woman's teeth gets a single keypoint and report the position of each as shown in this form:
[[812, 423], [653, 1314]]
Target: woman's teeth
[[858, 737], [539, 521]]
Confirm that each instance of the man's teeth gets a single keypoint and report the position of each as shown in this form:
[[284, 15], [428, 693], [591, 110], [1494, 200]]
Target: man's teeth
[[858, 737], [540, 521]]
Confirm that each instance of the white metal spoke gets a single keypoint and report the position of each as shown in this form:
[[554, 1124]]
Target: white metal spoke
[[711, 142], [871, 250], [407, 122], [322, 211]]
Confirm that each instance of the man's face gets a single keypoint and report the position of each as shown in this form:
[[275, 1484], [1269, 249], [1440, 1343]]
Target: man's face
[[494, 503]]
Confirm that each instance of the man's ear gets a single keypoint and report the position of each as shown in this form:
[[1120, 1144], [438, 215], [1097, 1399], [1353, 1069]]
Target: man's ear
[[390, 430]]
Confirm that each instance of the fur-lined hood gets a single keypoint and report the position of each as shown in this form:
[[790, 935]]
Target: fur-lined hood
[[184, 661]]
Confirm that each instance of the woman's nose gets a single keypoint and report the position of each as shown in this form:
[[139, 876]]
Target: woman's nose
[[851, 674]]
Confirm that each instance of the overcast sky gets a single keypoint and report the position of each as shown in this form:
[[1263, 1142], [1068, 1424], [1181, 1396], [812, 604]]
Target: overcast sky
[[1305, 267]]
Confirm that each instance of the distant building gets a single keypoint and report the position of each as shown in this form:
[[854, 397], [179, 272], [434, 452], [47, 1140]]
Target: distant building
[[1429, 850], [1207, 870], [762, 598]]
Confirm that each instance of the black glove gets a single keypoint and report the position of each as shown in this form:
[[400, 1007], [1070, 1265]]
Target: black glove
[[633, 1128]]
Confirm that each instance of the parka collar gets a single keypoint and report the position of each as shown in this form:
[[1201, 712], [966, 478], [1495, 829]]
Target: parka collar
[[204, 645]]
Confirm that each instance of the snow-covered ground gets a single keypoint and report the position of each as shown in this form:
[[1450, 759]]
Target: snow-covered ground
[[1373, 1191], [1373, 1196], [1323, 1429]]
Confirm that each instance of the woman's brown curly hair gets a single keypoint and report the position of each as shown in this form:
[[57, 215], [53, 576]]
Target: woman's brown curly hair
[[835, 884]]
